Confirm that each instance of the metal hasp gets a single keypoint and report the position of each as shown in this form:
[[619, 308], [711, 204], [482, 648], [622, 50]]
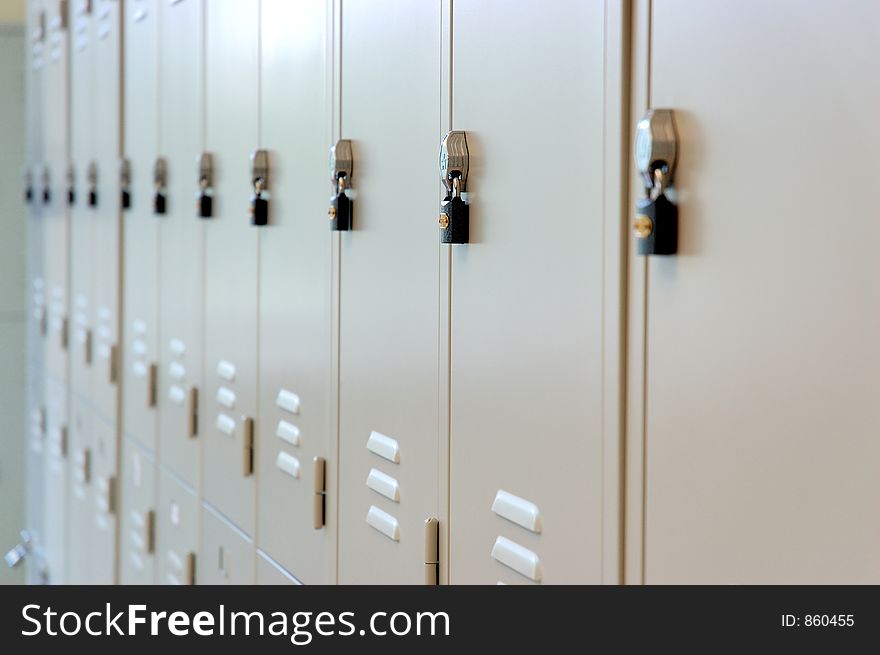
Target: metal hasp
[[92, 180], [260, 180], [341, 173], [656, 152], [17, 553], [205, 196], [125, 184], [454, 210], [160, 183]]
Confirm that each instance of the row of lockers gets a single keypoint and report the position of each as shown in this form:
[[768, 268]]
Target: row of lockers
[[541, 404]]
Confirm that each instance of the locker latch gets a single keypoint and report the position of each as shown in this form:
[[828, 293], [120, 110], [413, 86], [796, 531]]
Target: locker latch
[[124, 184], [71, 185], [341, 173], [47, 185], [454, 210], [160, 182], [205, 196], [656, 224], [260, 180], [432, 551], [92, 180], [319, 496], [28, 179]]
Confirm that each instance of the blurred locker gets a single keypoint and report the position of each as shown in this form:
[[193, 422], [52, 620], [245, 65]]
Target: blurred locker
[[231, 260], [295, 517], [389, 446], [760, 416], [137, 515], [145, 195], [84, 196], [181, 240], [56, 490], [226, 556], [106, 116], [104, 502], [80, 509], [177, 531], [527, 309]]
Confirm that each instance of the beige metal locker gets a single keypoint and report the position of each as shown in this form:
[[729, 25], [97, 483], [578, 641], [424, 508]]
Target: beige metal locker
[[296, 522], [226, 554], [760, 423], [82, 216], [177, 531], [388, 400], [270, 572], [53, 193], [137, 515], [528, 311], [106, 238], [180, 397], [56, 490], [80, 506], [141, 223], [231, 261]]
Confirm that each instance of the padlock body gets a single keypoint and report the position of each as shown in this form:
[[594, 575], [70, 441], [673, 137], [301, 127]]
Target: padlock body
[[71, 197], [663, 214], [340, 214], [159, 204], [259, 210], [93, 198], [125, 199], [205, 205], [29, 195], [457, 221], [47, 196]]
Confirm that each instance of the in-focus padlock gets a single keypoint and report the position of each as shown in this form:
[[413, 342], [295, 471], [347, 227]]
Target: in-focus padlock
[[656, 223], [160, 179], [341, 172], [260, 179], [454, 210], [124, 184], [205, 196]]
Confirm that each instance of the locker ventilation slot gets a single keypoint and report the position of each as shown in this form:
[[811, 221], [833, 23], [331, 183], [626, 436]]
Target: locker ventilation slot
[[384, 447], [517, 510], [384, 523], [519, 558]]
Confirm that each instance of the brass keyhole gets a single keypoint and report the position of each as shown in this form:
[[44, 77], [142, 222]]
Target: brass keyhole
[[444, 221], [643, 226]]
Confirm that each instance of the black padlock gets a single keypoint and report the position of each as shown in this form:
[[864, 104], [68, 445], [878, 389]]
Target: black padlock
[[454, 220], [259, 208], [205, 204], [47, 196], [29, 194], [159, 203], [125, 199], [93, 197], [656, 226], [340, 212], [71, 197]]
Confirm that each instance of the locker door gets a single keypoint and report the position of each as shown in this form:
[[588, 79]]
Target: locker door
[[80, 505], [54, 196], [141, 233], [231, 251], [295, 293], [107, 108], [270, 572], [227, 554], [137, 515], [104, 503], [177, 536], [36, 429], [389, 291], [526, 421], [760, 419], [181, 240], [56, 482], [82, 216]]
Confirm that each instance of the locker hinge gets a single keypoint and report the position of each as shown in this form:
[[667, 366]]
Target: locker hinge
[[191, 569], [62, 445], [319, 499], [152, 385], [84, 468], [432, 551], [114, 364], [193, 420], [248, 468], [87, 347], [65, 332], [62, 14], [150, 529]]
